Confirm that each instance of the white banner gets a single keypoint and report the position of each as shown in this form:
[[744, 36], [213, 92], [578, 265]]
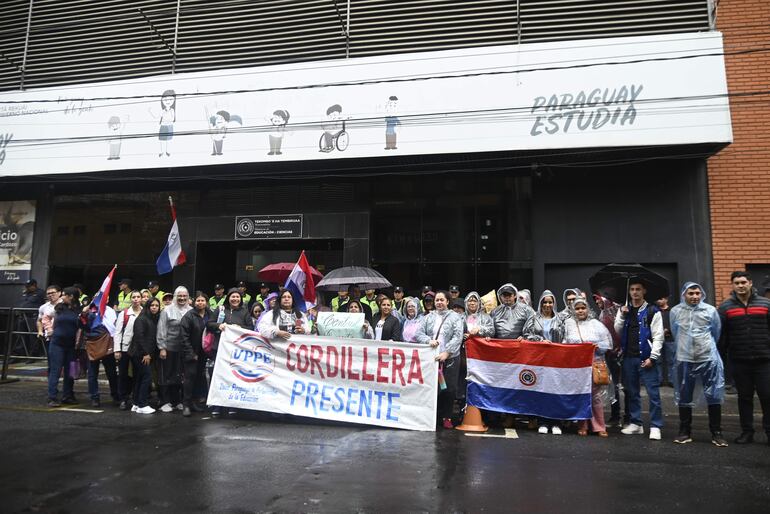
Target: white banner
[[632, 91], [354, 380]]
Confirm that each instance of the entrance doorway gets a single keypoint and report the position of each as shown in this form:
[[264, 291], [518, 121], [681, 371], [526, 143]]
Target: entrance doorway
[[228, 262]]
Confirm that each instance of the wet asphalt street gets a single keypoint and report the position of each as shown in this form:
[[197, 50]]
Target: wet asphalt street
[[55, 460]]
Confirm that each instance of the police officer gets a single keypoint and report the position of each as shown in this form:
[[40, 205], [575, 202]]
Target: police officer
[[218, 298], [124, 294], [454, 293], [264, 290], [155, 291], [341, 300], [398, 299], [370, 299], [246, 297]]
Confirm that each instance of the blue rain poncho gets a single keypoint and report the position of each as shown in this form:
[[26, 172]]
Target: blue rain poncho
[[696, 330]]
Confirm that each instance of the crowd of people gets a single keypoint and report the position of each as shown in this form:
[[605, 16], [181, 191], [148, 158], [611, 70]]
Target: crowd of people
[[166, 342]]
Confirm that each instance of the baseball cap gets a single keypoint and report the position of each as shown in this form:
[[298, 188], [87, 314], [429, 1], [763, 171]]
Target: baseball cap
[[429, 295], [152, 283], [425, 289], [31, 282], [454, 289], [398, 289], [126, 281], [241, 284], [218, 286]]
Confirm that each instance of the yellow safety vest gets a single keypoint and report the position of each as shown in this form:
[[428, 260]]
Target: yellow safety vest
[[124, 300]]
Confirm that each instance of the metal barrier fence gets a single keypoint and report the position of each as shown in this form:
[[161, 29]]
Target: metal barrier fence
[[21, 341]]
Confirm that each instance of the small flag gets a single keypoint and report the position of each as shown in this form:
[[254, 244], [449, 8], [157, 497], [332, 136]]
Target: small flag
[[172, 254], [102, 298], [300, 283]]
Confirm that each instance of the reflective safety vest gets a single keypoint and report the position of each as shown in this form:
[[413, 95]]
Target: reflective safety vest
[[372, 304], [246, 297], [159, 295], [336, 303], [124, 300], [215, 303]]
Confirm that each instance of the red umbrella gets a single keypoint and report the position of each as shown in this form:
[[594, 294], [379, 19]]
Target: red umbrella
[[279, 272]]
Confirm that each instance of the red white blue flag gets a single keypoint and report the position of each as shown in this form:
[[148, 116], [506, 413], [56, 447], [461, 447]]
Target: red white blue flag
[[538, 379], [102, 298], [172, 254], [301, 285]]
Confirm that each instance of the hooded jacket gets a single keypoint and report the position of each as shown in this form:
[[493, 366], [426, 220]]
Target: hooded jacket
[[409, 326], [607, 316], [746, 328], [509, 320], [479, 319], [169, 332], [449, 324], [695, 328], [590, 330], [534, 328]]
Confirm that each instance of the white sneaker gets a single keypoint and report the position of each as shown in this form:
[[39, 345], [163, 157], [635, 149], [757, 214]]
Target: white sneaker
[[633, 428], [134, 408], [542, 430], [166, 408], [179, 406], [555, 430], [655, 433], [145, 410]]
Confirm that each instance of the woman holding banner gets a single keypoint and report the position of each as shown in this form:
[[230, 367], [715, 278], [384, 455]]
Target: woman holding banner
[[580, 328], [443, 329], [233, 312], [354, 307], [386, 325], [284, 320]]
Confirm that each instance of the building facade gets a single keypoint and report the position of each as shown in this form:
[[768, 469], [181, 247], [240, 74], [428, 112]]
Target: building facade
[[440, 142]]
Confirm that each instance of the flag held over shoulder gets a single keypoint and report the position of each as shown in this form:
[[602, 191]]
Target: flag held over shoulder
[[301, 285], [172, 254], [537, 379]]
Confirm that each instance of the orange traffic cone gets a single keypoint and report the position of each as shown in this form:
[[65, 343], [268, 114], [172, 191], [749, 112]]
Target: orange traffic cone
[[472, 421]]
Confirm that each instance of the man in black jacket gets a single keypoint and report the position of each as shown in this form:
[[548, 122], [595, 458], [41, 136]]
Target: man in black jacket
[[745, 338]]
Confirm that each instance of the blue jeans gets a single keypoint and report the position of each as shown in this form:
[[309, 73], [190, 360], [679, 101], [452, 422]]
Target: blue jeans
[[667, 357], [633, 376], [59, 358]]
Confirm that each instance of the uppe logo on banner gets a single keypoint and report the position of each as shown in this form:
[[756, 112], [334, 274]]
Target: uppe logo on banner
[[252, 358]]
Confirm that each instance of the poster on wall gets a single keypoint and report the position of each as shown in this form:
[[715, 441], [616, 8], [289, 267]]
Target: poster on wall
[[17, 228], [627, 91]]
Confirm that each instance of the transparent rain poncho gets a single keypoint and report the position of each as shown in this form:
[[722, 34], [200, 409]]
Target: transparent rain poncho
[[509, 319], [698, 371]]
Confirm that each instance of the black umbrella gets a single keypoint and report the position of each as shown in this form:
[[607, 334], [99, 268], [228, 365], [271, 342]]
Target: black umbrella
[[613, 279]]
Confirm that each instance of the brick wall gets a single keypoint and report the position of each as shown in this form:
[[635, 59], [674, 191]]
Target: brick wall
[[739, 176]]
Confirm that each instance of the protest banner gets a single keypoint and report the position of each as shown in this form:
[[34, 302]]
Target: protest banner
[[355, 380], [522, 377], [340, 324]]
